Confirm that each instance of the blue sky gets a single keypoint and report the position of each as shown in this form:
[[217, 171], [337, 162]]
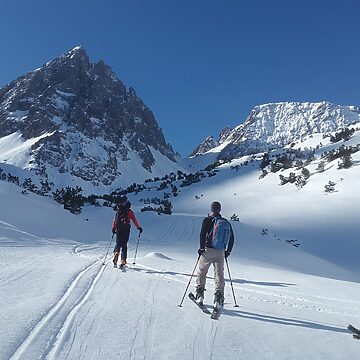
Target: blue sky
[[199, 65]]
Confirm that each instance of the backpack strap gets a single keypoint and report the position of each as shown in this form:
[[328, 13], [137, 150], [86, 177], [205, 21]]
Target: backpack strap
[[212, 231], [122, 215]]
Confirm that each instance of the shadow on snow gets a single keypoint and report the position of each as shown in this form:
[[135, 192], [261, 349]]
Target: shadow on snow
[[283, 321]]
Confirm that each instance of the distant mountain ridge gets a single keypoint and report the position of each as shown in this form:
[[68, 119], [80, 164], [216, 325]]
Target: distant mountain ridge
[[272, 126]]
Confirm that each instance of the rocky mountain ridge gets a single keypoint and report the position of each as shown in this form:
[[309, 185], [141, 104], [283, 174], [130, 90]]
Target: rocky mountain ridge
[[83, 123], [275, 125]]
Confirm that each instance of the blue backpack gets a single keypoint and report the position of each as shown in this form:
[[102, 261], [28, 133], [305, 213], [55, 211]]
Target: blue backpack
[[220, 233]]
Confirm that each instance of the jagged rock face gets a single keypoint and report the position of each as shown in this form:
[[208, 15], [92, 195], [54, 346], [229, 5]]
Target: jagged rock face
[[93, 122], [224, 133], [209, 143], [273, 126]]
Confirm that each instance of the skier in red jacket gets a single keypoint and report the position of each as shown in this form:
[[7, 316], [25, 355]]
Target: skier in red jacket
[[121, 227]]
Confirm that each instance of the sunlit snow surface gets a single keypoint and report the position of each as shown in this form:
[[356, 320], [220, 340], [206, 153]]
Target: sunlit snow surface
[[57, 301]]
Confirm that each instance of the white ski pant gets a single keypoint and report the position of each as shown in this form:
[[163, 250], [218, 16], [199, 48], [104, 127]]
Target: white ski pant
[[217, 258]]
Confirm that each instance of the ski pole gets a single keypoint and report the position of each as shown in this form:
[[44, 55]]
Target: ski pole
[[137, 245], [180, 305], [232, 288], [108, 249]]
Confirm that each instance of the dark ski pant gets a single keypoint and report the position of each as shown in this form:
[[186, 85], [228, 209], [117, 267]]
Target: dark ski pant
[[122, 238]]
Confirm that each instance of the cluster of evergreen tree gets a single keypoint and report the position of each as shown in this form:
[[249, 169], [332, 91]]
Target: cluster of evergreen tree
[[342, 152], [172, 177], [217, 163], [110, 200], [286, 160], [299, 180], [154, 200], [71, 198], [265, 161], [186, 178], [236, 167], [164, 208], [192, 178], [9, 178], [345, 162], [330, 187], [344, 134], [27, 184]]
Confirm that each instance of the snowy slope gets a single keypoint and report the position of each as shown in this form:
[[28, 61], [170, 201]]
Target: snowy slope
[[15, 150], [324, 224], [58, 302]]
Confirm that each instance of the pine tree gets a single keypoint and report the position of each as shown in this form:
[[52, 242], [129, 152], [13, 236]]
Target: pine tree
[[283, 179], [345, 162], [265, 161], [167, 206], [321, 166], [292, 178], [305, 173], [329, 187], [45, 187], [264, 172], [300, 182]]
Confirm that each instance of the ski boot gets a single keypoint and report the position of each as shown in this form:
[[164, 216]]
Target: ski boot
[[218, 299], [122, 264], [199, 295]]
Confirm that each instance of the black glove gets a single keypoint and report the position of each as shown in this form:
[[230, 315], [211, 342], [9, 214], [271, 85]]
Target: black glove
[[140, 229], [114, 231], [227, 254], [201, 251]]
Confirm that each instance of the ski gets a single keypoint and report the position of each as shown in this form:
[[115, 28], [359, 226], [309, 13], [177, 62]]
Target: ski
[[216, 312], [355, 331], [201, 306]]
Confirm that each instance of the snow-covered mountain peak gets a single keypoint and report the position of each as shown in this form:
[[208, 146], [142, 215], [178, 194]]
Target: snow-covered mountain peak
[[72, 58], [78, 51], [101, 133]]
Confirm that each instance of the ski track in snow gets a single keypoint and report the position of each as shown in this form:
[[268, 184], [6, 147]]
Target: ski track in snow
[[170, 229], [140, 340], [55, 329], [37, 343], [63, 333]]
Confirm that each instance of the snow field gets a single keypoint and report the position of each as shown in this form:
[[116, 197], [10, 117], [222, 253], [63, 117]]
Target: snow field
[[74, 307]]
